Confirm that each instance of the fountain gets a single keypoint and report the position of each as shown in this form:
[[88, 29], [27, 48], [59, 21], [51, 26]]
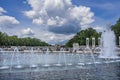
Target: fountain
[[16, 51], [70, 61], [108, 45], [46, 58], [64, 56], [90, 50], [4, 65], [32, 55], [81, 63], [59, 58]]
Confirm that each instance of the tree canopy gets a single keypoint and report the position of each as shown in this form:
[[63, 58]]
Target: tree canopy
[[116, 29], [81, 36], [6, 40]]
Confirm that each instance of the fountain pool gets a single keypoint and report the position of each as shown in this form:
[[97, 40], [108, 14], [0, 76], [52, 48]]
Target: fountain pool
[[57, 66]]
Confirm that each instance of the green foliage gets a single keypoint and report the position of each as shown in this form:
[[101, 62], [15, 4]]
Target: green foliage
[[81, 36], [6, 40], [116, 29]]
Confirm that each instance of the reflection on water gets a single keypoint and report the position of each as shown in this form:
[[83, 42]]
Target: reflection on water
[[102, 72]]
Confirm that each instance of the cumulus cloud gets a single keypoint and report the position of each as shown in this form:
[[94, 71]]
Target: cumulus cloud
[[45, 35], [2, 10], [61, 16], [99, 28], [27, 32], [7, 21]]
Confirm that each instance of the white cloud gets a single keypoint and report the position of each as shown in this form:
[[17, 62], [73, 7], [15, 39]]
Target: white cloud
[[27, 31], [53, 38], [2, 10], [7, 21], [30, 14], [51, 22], [38, 21], [61, 17], [82, 14], [56, 21], [99, 28], [44, 35], [60, 13]]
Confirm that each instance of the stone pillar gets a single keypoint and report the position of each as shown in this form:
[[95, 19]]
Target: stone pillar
[[99, 41], [93, 42], [87, 42], [119, 41], [75, 46]]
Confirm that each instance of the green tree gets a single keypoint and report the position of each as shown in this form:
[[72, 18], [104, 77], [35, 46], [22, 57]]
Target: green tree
[[81, 36], [116, 29], [6, 40]]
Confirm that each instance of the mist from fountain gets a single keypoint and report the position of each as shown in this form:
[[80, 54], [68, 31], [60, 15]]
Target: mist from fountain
[[76, 48], [70, 60], [79, 62], [90, 50], [46, 58], [4, 65], [32, 55], [64, 55], [11, 61], [59, 58], [16, 51], [71, 56], [108, 45]]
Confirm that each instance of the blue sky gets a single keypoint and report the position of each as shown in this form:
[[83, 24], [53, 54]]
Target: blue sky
[[58, 22]]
